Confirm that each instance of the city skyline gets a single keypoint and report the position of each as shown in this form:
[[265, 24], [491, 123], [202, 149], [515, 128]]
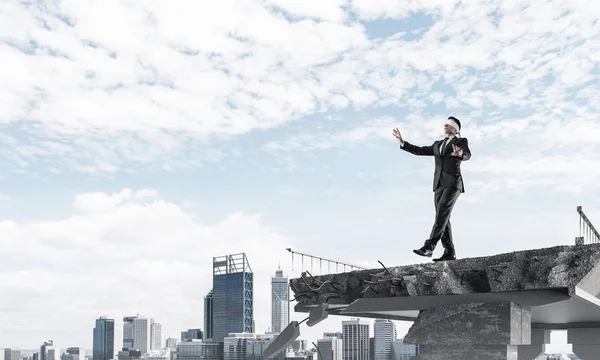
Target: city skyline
[[141, 327], [343, 322], [106, 335]]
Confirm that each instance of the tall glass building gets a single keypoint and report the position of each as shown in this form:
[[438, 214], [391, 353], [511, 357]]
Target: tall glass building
[[280, 302], [232, 296], [104, 339], [385, 335], [128, 332], [208, 316]]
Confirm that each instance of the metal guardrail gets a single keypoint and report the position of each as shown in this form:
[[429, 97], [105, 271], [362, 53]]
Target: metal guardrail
[[321, 259], [587, 232]]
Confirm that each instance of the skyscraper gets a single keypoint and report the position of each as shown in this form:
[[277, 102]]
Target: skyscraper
[[128, 332], [104, 339], [208, 316], [280, 302], [48, 351], [155, 336], [232, 295], [355, 339], [142, 333], [384, 335]]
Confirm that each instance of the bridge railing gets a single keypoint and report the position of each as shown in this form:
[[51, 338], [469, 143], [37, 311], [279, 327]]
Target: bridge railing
[[323, 265], [587, 232]]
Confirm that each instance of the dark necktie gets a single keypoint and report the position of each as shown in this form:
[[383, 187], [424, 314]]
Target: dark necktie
[[444, 146]]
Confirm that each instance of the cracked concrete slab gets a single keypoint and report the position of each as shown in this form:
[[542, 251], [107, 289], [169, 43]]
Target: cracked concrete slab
[[562, 276], [475, 308]]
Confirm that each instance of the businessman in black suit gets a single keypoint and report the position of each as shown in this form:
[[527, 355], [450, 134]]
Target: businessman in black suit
[[449, 153]]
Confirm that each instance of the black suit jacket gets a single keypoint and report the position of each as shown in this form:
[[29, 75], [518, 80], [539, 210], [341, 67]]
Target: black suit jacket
[[447, 167]]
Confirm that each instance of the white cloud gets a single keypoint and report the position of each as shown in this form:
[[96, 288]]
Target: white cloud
[[126, 247], [322, 141], [150, 86], [158, 78], [372, 9], [330, 10], [94, 202]]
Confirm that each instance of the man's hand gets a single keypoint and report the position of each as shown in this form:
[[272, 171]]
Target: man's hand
[[456, 151], [397, 135]]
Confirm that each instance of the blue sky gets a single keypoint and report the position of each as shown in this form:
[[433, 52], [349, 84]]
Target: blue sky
[[138, 141]]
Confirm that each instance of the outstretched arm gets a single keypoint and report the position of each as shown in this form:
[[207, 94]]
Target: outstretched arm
[[417, 150]]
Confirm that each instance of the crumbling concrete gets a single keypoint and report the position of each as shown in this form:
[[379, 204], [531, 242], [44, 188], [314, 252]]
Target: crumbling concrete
[[487, 331], [557, 268], [474, 308], [481, 324]]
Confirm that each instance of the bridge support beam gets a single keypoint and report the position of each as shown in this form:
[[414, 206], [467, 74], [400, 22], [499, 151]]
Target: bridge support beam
[[585, 341], [480, 331]]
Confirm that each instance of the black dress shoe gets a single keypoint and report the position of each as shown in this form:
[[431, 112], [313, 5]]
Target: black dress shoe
[[448, 255], [424, 251]]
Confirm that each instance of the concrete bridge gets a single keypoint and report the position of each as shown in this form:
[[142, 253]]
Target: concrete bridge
[[485, 308]]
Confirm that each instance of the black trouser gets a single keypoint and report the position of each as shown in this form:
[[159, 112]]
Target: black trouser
[[445, 198]]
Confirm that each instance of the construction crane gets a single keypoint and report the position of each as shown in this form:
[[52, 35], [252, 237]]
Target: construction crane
[[329, 262]]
